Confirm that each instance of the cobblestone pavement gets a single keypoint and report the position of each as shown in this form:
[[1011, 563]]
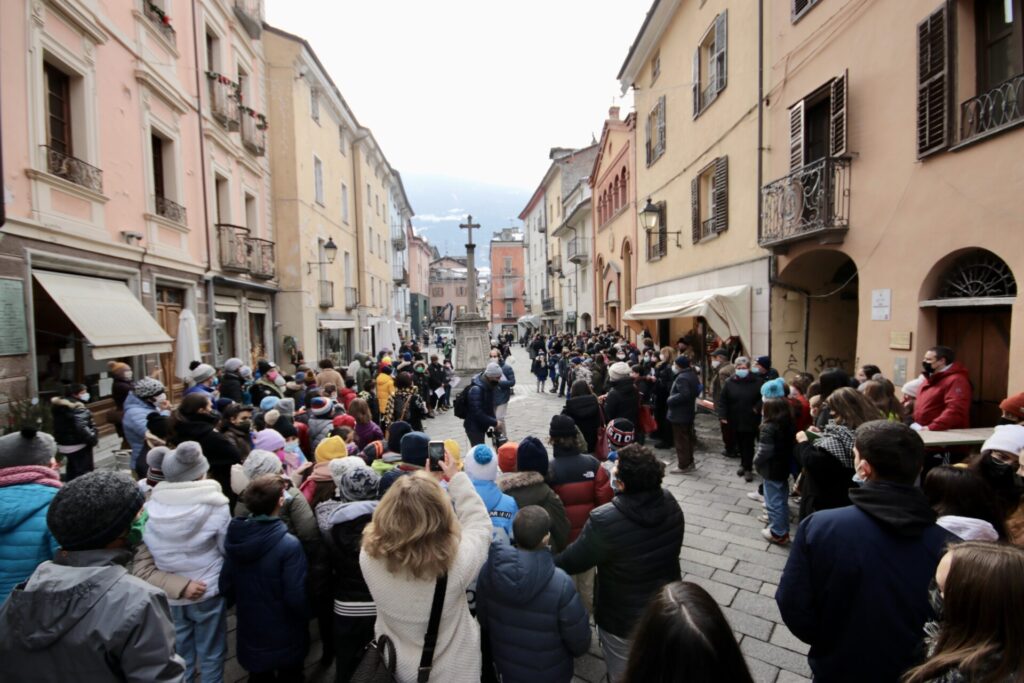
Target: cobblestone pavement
[[722, 546]]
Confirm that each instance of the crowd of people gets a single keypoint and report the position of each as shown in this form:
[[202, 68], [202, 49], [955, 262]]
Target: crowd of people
[[321, 495]]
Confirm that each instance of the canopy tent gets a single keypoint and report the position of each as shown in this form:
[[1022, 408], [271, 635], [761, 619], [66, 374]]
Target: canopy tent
[[187, 345], [726, 310], [107, 314], [529, 321]]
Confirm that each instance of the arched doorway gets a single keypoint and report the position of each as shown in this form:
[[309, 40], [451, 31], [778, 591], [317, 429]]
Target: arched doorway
[[971, 294], [612, 302], [814, 314], [585, 322], [627, 277]]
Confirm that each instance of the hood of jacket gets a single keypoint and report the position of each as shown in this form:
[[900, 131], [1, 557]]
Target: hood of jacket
[[582, 407], [58, 403], [193, 429], [522, 573], [179, 507], [334, 511], [902, 509], [955, 368], [627, 385], [22, 502], [133, 401], [968, 528], [488, 492], [648, 509], [519, 480], [60, 594], [249, 539]]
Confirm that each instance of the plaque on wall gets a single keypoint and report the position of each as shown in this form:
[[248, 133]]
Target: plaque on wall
[[13, 330]]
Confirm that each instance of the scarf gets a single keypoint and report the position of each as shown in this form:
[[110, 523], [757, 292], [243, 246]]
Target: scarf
[[29, 474], [837, 441]]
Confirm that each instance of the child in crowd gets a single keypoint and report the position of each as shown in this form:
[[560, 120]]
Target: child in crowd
[[774, 457], [482, 468], [540, 371]]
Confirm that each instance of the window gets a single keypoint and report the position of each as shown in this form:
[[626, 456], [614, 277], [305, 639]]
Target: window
[[999, 42], [507, 265], [318, 180], [654, 132], [58, 110], [508, 310], [165, 186], [801, 7], [212, 51], [709, 65], [341, 139], [370, 241], [817, 124], [251, 214], [344, 203], [509, 289], [348, 269], [376, 198], [222, 197], [932, 84], [709, 196], [314, 104], [657, 241], [373, 291], [655, 72], [369, 196], [243, 85]]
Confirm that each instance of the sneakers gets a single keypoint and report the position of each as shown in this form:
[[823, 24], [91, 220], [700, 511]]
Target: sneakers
[[754, 495], [772, 538], [763, 518]]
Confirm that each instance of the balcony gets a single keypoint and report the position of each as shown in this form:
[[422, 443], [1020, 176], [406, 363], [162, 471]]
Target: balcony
[[812, 202], [234, 247], [577, 250], [261, 258], [351, 298], [994, 111], [250, 15], [326, 294], [223, 100], [73, 170], [399, 274], [543, 227], [165, 208], [254, 131], [398, 238], [161, 20]]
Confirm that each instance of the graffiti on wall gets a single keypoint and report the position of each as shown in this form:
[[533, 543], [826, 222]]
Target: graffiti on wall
[[792, 362], [822, 363]]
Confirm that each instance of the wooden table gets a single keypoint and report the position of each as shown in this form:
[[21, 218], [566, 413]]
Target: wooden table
[[956, 437]]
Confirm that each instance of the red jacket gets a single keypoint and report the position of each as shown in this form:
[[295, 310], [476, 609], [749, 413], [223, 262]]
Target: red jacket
[[346, 395], [944, 400], [582, 484]]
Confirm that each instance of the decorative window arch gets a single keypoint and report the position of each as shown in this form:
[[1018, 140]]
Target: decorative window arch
[[599, 274], [978, 274], [615, 194], [625, 181]]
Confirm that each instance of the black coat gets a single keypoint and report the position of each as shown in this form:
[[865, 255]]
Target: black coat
[[774, 456], [634, 541], [622, 400], [825, 483], [219, 450], [72, 423], [479, 406], [231, 386], [336, 574], [682, 400], [740, 404], [586, 412]]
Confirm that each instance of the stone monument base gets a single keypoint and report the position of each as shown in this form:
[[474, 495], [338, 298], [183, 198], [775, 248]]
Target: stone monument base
[[472, 343]]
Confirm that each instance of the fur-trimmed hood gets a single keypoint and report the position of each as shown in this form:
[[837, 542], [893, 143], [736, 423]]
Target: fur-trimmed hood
[[519, 480], [60, 402]]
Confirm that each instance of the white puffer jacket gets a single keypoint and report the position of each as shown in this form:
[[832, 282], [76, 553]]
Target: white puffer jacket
[[185, 531]]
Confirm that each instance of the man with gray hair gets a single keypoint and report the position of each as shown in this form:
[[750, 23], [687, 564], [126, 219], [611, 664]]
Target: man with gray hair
[[480, 415]]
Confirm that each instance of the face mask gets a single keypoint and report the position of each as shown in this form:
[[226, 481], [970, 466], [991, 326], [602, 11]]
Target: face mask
[[287, 494], [245, 425], [272, 375], [292, 447], [84, 397], [926, 368], [715, 363], [676, 369], [159, 398], [614, 481], [742, 372], [128, 376], [857, 479], [216, 381]]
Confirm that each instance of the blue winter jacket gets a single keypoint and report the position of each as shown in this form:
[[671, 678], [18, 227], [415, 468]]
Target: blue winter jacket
[[532, 613], [479, 406], [501, 507], [134, 423], [25, 541], [503, 392], [264, 575]]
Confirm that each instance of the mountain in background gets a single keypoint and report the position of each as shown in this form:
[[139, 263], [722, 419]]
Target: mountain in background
[[442, 203]]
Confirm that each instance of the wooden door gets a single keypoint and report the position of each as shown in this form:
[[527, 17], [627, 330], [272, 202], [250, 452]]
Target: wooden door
[[980, 335], [169, 304]]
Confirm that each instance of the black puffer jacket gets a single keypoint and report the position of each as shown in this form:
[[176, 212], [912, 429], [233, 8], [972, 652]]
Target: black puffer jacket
[[682, 406], [740, 404], [774, 457], [231, 386], [72, 423], [622, 400], [218, 449], [586, 412], [336, 574], [634, 541]]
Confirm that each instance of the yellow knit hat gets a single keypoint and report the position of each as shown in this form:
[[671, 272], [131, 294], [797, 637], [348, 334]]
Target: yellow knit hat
[[331, 448], [451, 446]]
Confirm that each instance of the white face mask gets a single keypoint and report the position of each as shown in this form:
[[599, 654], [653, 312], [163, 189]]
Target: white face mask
[[84, 397], [715, 363], [159, 398], [128, 376]]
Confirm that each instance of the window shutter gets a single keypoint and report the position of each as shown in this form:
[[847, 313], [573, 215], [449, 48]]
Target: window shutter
[[695, 207], [932, 84], [796, 136], [696, 81], [721, 199], [647, 140], [721, 48], [837, 115], [661, 126]]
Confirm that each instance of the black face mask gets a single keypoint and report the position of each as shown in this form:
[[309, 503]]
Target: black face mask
[[926, 368], [1007, 421]]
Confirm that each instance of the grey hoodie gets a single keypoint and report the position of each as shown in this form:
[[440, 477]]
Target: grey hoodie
[[82, 617]]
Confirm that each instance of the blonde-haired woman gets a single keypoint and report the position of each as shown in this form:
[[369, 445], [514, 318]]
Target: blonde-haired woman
[[414, 538]]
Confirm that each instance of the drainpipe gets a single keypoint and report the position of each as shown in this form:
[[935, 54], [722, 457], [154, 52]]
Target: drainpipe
[[208, 276], [760, 160]]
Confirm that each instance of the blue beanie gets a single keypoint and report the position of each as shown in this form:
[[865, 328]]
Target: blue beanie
[[268, 403], [775, 388], [414, 448], [682, 361], [396, 430], [531, 456]]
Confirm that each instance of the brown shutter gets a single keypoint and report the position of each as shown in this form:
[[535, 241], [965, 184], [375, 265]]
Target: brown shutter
[[796, 136], [721, 198], [647, 139], [695, 207], [932, 83], [799, 7], [661, 126], [696, 82], [837, 115], [721, 47]]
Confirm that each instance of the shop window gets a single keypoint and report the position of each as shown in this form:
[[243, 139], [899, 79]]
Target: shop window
[[224, 334], [257, 337]]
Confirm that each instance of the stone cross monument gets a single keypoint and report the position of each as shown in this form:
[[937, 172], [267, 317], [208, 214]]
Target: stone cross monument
[[472, 332], [469, 225]]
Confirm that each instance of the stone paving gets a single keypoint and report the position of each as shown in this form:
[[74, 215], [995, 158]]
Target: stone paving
[[722, 547]]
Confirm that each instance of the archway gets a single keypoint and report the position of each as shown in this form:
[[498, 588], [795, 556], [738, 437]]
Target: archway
[[968, 297], [815, 309], [585, 322], [612, 302]]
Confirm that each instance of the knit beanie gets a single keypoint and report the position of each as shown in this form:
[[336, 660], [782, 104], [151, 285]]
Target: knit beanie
[[118, 369], [320, 406], [345, 420], [1013, 405], [268, 403], [373, 451], [397, 430], [682, 362], [482, 464], [27, 447], [331, 448], [92, 510], [493, 370], [507, 456], [232, 364], [147, 387], [775, 388], [531, 456], [261, 462], [620, 433], [764, 361], [202, 372], [245, 372], [271, 418], [562, 425], [268, 440], [451, 447], [617, 371], [913, 386], [155, 462], [286, 406], [414, 448], [1006, 438], [350, 480], [185, 463]]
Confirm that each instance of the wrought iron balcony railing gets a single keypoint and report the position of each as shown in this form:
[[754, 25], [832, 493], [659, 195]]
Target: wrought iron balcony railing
[[234, 247], [165, 208], [707, 227], [990, 112], [398, 238], [577, 250], [547, 304], [351, 298], [223, 100], [326, 294], [73, 170], [254, 131], [399, 274], [261, 255], [160, 19], [250, 14], [812, 202]]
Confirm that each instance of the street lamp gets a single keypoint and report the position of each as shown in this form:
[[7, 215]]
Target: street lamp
[[650, 217], [330, 253]]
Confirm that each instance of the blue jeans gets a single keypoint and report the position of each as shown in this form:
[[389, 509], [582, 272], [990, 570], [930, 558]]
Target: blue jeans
[[201, 635], [616, 654], [776, 493]]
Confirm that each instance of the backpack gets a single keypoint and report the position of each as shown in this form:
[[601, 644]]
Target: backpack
[[461, 403]]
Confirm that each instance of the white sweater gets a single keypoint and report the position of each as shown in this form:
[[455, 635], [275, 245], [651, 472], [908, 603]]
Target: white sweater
[[403, 602], [185, 531]]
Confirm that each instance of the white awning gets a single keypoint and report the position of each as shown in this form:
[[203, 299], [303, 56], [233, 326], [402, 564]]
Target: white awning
[[337, 324], [107, 314], [531, 320], [726, 310]]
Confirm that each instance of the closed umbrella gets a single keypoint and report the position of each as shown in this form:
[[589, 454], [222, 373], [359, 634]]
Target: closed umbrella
[[187, 345]]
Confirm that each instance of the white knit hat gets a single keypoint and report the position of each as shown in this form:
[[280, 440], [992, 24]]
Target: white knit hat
[[618, 371], [482, 464], [1006, 438]]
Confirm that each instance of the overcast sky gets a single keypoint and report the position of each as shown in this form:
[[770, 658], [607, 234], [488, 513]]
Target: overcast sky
[[472, 88]]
